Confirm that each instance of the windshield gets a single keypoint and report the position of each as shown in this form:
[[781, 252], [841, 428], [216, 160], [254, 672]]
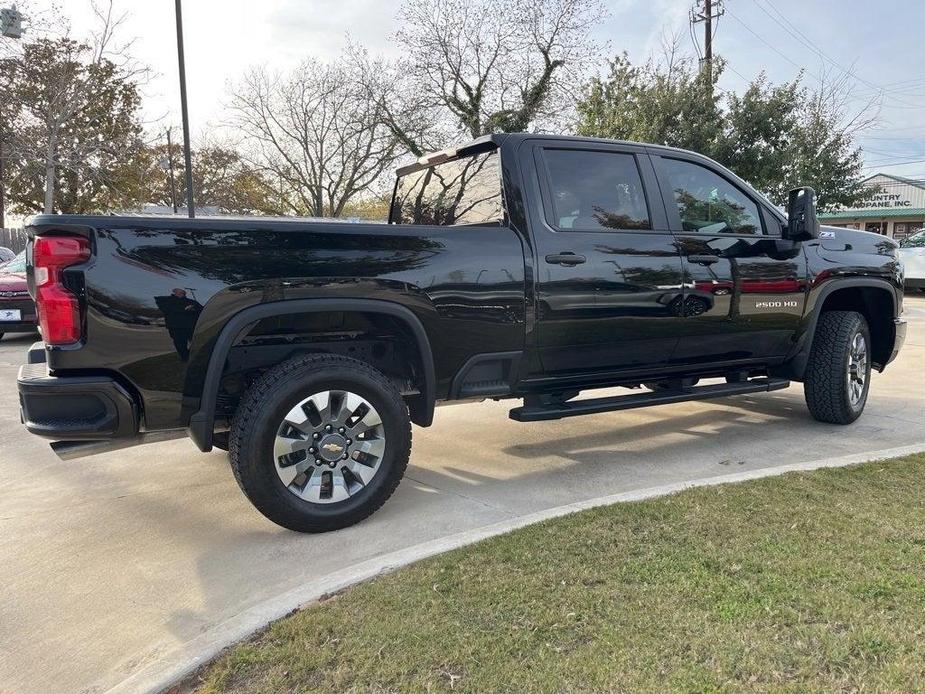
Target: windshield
[[461, 191], [17, 264], [915, 241]]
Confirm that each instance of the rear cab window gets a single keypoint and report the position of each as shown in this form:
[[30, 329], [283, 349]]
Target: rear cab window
[[594, 190], [463, 191]]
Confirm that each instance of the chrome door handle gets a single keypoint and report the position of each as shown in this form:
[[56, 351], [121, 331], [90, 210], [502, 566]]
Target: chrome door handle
[[703, 259]]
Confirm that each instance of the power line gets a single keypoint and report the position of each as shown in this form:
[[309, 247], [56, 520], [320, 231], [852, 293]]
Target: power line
[[803, 39], [892, 162], [734, 71], [769, 45], [909, 90], [905, 182], [911, 79], [902, 129], [895, 157], [888, 138], [898, 163], [893, 153]]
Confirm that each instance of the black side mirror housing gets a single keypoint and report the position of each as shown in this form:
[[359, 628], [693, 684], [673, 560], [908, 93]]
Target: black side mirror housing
[[802, 223]]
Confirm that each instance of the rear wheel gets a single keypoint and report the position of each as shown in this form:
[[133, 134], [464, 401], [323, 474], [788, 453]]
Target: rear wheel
[[837, 376], [320, 442]]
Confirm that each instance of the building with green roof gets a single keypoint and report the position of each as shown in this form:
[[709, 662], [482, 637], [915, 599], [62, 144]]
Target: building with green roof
[[895, 207]]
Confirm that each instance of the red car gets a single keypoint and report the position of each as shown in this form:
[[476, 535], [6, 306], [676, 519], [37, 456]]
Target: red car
[[17, 310]]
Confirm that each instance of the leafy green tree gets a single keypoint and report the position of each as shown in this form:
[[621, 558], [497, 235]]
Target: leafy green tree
[[221, 179], [372, 208], [758, 127], [75, 137], [777, 137], [668, 102], [825, 155]]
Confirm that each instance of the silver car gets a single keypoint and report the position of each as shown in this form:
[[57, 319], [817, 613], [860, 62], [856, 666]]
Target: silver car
[[912, 253]]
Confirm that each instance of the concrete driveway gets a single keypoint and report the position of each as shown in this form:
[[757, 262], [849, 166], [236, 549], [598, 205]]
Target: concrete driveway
[[108, 563]]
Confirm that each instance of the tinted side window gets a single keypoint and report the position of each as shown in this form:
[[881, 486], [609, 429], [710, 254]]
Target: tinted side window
[[709, 203], [594, 191]]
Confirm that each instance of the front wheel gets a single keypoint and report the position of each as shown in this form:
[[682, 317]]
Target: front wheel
[[837, 376], [320, 442]]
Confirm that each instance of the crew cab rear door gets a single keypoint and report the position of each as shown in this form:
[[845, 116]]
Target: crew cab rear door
[[608, 275], [744, 285]]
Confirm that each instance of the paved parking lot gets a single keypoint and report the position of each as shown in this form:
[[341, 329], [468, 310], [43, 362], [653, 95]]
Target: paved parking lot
[[107, 563]]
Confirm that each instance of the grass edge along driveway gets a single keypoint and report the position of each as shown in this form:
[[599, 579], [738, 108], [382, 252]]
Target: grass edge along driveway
[[809, 581]]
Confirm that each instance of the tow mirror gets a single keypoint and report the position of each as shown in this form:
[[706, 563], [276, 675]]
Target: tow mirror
[[802, 223]]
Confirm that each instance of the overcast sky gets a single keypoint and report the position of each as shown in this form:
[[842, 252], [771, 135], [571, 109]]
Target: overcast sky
[[879, 43]]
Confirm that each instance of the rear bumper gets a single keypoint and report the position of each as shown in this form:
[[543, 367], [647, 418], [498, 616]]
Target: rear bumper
[[17, 327], [75, 408], [26, 308]]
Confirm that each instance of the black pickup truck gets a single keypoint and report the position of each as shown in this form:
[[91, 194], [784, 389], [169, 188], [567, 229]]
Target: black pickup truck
[[516, 266]]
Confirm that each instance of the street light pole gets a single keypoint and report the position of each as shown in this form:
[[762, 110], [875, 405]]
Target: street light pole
[[173, 181], [186, 145]]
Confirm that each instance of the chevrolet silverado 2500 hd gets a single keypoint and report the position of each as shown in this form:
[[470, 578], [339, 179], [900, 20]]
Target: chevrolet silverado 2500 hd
[[515, 266]]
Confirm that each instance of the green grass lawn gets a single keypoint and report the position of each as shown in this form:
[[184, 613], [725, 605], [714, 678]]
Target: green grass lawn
[[806, 582]]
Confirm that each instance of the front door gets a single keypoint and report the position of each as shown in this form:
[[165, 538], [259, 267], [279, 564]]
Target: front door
[[744, 286], [608, 274]]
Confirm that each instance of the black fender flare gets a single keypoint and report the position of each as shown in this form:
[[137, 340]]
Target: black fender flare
[[795, 365], [202, 422]]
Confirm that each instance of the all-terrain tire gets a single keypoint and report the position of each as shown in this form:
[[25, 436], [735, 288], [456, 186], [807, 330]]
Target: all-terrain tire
[[263, 409], [827, 381]]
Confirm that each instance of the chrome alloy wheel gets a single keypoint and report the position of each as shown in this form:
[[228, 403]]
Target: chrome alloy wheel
[[329, 446], [857, 368]]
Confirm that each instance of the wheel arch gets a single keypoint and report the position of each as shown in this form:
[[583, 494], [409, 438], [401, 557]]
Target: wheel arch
[[872, 297], [202, 422]]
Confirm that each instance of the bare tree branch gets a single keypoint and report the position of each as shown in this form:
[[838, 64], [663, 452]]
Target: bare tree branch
[[479, 66], [316, 132]]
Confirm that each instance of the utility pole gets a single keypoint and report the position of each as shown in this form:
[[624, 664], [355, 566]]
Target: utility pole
[[173, 181], [10, 27], [706, 11], [183, 106]]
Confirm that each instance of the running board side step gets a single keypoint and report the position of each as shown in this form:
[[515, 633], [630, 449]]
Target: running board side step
[[574, 408]]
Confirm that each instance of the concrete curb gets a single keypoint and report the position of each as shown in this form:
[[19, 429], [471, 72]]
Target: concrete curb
[[187, 657]]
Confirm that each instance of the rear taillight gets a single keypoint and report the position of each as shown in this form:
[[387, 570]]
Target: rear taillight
[[57, 307]]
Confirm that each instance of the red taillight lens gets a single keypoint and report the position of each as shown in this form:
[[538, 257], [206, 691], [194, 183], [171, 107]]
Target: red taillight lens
[[58, 309]]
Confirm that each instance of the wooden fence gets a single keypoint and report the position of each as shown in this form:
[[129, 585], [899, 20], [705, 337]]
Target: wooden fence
[[14, 239]]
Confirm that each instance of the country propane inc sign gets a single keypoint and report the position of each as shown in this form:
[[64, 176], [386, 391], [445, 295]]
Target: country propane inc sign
[[885, 200], [889, 192]]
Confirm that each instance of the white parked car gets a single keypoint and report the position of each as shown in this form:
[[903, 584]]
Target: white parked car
[[912, 253]]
